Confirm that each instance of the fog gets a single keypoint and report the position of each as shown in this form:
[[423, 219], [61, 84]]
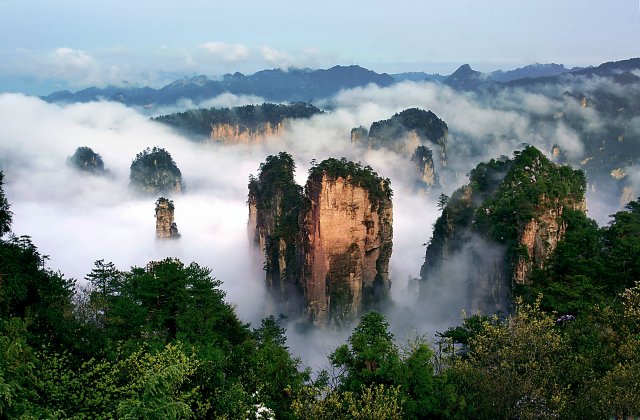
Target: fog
[[77, 219]]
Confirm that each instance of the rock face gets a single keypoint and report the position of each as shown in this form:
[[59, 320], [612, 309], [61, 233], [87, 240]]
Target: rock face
[[423, 159], [276, 204], [348, 247], [504, 224], [627, 195], [326, 252], [359, 135], [237, 134], [413, 133], [166, 228], [540, 236]]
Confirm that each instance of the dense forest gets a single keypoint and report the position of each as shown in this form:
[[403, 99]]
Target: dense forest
[[160, 341]]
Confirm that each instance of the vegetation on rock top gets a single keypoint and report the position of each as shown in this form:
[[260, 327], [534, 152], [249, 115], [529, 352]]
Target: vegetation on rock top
[[154, 171], [246, 118], [354, 173], [426, 124]]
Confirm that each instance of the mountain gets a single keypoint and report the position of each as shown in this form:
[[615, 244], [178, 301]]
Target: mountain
[[326, 251], [624, 71], [502, 226], [417, 76], [465, 78], [531, 71], [293, 85]]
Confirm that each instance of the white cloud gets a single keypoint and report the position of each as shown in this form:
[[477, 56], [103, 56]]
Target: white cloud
[[68, 60], [275, 57], [227, 52]]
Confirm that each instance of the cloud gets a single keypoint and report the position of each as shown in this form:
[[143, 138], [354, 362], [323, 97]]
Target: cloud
[[275, 57], [224, 100], [72, 61], [227, 52]]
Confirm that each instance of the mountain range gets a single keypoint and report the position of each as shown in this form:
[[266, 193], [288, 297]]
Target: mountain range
[[308, 85]]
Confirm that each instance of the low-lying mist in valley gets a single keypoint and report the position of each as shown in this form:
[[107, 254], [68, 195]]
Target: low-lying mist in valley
[[77, 219]]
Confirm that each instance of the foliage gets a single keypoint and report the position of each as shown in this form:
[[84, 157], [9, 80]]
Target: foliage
[[371, 402], [370, 357], [512, 368], [16, 369], [275, 375], [31, 292], [154, 171], [163, 201], [371, 360], [361, 176], [276, 193], [531, 179], [591, 265], [426, 124]]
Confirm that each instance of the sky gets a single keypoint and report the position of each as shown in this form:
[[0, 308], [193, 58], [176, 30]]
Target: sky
[[48, 45]]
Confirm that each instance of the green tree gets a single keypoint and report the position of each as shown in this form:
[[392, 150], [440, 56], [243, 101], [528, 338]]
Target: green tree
[[514, 368], [370, 357]]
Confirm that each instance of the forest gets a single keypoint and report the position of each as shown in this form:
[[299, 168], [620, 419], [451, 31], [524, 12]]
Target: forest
[[160, 341]]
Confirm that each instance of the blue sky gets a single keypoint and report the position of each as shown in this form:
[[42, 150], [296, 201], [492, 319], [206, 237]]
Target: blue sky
[[50, 44]]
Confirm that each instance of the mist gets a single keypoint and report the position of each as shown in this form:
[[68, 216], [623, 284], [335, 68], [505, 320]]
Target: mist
[[77, 219]]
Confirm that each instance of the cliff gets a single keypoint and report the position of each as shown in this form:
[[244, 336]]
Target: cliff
[[239, 134], [502, 226], [326, 252], [244, 124], [166, 228], [359, 135], [275, 206], [348, 241], [423, 159], [413, 133]]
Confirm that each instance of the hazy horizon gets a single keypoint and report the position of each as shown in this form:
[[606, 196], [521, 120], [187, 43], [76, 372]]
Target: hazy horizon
[[49, 46]]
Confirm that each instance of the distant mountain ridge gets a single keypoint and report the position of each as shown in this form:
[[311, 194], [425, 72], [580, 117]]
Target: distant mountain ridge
[[530, 71], [465, 78], [293, 85], [308, 85]]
